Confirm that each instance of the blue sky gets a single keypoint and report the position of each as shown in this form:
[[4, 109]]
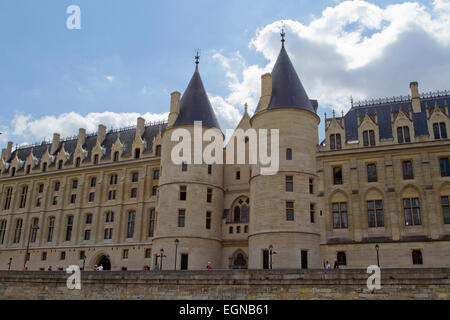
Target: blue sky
[[129, 55]]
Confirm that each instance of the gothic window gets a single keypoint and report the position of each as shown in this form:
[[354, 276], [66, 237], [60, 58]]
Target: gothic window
[[339, 210], [369, 138], [240, 211]]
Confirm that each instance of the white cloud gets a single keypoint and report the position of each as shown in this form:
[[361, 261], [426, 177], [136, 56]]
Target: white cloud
[[67, 124], [109, 78], [354, 48]]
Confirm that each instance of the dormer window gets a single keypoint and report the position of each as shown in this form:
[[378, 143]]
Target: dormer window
[[96, 159], [60, 164], [13, 171], [137, 153], [78, 162], [158, 151], [369, 138], [335, 141], [439, 130], [44, 167], [403, 134], [28, 169], [116, 156]]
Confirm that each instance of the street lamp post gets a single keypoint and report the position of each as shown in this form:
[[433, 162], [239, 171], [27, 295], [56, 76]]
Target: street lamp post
[[32, 228], [161, 256], [377, 247], [176, 249], [270, 256]]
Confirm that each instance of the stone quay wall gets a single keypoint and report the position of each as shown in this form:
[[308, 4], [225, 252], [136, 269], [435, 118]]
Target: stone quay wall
[[425, 283]]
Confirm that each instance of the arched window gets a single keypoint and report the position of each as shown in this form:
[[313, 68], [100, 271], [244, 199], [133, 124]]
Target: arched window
[[240, 211], [238, 260]]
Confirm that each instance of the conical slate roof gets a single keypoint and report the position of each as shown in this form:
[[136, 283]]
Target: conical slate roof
[[287, 89], [195, 105]]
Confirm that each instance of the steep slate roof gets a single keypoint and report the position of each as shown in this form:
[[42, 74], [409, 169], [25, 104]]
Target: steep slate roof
[[287, 89], [383, 111], [195, 105], [126, 138]]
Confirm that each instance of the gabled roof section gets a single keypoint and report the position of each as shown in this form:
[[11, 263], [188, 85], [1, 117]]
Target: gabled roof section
[[195, 104], [287, 89]]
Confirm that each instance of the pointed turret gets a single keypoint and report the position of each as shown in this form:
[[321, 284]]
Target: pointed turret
[[195, 104], [287, 89]]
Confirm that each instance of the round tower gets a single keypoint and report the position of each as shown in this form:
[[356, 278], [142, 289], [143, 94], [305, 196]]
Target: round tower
[[190, 195], [284, 229]]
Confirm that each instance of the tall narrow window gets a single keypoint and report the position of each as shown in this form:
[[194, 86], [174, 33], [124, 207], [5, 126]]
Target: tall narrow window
[[41, 188], [181, 218], [312, 212], [116, 156], [2, 231], [87, 234], [75, 184], [154, 190], [237, 214], [183, 193], [337, 175], [339, 210], [372, 137], [28, 169], [375, 213], [288, 154], [8, 198], [91, 196], [13, 172], [69, 228], [411, 209], [406, 134], [158, 151], [400, 135], [44, 167], [445, 209], [93, 182], [332, 142], [107, 235], [443, 130], [137, 153], [209, 168], [311, 186], [96, 159], [109, 217], [289, 211], [289, 183], [444, 164], [244, 216], [23, 197], [89, 218], [208, 220], [130, 226], [238, 175], [78, 162], [73, 198], [60, 164], [18, 231], [113, 179], [57, 185], [151, 228], [135, 177], [155, 174], [184, 166], [407, 170], [209, 195], [372, 173], [338, 142], [368, 138], [51, 227], [34, 229]]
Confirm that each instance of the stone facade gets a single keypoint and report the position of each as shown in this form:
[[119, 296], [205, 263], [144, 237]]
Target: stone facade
[[380, 177]]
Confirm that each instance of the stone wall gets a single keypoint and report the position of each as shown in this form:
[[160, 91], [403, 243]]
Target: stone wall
[[227, 284]]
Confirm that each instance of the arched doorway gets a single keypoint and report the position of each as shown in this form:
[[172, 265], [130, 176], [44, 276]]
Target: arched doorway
[[105, 262], [239, 260]]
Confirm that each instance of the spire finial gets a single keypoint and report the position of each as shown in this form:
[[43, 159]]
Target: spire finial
[[197, 57], [351, 100], [282, 34], [246, 105]]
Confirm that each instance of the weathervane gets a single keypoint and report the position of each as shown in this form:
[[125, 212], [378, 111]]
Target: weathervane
[[282, 34], [197, 56]]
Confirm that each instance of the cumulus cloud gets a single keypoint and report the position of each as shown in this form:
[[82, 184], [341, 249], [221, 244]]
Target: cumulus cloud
[[355, 48], [67, 124]]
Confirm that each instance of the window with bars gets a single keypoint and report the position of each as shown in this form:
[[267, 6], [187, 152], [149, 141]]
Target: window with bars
[[339, 211], [411, 209], [375, 213]]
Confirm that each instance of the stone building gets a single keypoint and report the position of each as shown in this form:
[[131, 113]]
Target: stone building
[[376, 190]]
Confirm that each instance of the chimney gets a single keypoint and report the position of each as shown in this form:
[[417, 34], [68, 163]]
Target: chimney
[[140, 127], [8, 151], [415, 98], [81, 137], [101, 134], [55, 143], [266, 91], [174, 107]]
